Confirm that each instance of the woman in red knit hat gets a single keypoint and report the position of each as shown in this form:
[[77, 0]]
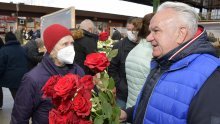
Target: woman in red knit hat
[[59, 60]]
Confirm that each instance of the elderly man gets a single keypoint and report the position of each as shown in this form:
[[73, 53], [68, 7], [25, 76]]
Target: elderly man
[[183, 85], [57, 61], [86, 45]]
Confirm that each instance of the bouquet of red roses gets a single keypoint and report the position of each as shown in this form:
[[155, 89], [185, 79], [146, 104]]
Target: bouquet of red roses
[[74, 99], [71, 96]]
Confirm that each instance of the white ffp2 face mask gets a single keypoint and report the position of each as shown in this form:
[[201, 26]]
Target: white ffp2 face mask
[[132, 36], [66, 55]]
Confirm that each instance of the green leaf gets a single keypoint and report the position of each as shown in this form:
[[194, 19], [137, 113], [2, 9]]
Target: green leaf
[[105, 82], [98, 120], [111, 83], [106, 75], [111, 97], [107, 110], [116, 110], [103, 97], [112, 54]]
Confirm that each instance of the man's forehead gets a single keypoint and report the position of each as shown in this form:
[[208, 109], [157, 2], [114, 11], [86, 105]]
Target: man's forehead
[[163, 17]]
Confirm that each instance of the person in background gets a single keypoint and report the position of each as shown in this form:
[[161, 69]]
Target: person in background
[[1, 91], [19, 34], [116, 36], [117, 65], [86, 44], [32, 51], [30, 34], [36, 33], [137, 64], [13, 63], [59, 60], [183, 84]]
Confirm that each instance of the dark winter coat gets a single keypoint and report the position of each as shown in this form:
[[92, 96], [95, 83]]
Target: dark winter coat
[[33, 55], [29, 102], [204, 107], [117, 67], [13, 64], [83, 47]]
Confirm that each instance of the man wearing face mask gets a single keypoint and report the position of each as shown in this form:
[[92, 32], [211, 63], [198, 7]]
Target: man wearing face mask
[[117, 65], [59, 60]]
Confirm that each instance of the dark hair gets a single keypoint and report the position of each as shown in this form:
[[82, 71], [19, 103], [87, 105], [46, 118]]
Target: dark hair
[[144, 29], [10, 36], [116, 35]]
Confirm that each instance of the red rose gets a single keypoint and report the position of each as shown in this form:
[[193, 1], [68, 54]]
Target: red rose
[[103, 36], [86, 82], [48, 88], [66, 86], [72, 118], [85, 122], [85, 93], [56, 118], [65, 107], [81, 105], [56, 101], [98, 62]]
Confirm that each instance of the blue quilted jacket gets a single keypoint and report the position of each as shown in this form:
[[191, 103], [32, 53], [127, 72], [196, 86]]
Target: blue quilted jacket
[[176, 88]]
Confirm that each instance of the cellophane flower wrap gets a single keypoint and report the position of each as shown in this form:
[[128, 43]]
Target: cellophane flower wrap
[[74, 98]]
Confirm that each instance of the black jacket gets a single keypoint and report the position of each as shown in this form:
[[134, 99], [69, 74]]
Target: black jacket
[[117, 67], [204, 107], [33, 55], [13, 64], [83, 47]]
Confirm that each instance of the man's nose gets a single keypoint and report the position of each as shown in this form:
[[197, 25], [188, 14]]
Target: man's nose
[[149, 38]]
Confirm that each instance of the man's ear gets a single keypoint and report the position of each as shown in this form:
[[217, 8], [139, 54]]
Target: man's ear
[[183, 32]]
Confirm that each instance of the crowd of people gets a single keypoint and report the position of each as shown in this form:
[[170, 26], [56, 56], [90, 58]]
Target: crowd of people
[[165, 72]]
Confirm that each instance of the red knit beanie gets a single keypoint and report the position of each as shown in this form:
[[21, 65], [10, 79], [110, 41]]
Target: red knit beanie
[[52, 34]]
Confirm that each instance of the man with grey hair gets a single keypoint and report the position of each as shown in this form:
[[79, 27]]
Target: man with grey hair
[[183, 85], [87, 25], [86, 44]]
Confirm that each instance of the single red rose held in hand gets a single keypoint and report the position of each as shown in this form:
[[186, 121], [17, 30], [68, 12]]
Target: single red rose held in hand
[[97, 62]]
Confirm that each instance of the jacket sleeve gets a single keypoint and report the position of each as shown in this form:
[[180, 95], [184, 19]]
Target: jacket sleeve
[[113, 69], [24, 102], [129, 112], [205, 106]]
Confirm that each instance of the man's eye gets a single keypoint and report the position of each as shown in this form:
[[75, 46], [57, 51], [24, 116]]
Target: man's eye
[[156, 30]]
